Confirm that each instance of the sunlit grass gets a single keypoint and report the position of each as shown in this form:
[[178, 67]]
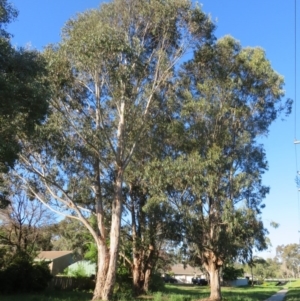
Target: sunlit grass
[[293, 293]]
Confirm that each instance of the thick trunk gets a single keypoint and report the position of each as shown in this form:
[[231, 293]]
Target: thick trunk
[[213, 264], [215, 288], [114, 238], [102, 261]]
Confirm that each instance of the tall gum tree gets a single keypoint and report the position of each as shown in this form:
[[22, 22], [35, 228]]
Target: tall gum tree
[[229, 97], [105, 74], [226, 106], [152, 220]]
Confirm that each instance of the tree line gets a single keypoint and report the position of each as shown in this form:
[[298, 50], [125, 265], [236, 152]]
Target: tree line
[[143, 126]]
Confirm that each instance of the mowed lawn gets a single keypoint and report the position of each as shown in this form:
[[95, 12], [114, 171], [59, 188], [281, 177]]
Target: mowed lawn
[[293, 293], [172, 293], [256, 293]]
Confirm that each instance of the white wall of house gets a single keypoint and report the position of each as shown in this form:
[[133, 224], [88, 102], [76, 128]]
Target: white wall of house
[[184, 278]]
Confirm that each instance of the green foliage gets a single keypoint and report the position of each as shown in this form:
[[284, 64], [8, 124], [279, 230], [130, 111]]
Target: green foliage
[[22, 276], [24, 95], [7, 14], [91, 253], [157, 283], [232, 273], [70, 234], [289, 257], [123, 281], [79, 272]]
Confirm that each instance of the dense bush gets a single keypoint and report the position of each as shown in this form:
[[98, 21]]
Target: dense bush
[[156, 283], [123, 281], [23, 275], [232, 273]]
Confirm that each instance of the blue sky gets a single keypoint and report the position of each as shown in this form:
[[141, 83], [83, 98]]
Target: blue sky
[[269, 24]]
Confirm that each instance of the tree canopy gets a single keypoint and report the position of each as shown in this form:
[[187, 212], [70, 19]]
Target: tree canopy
[[24, 94]]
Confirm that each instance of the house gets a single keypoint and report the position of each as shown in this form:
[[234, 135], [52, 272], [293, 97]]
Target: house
[[58, 260], [185, 273]]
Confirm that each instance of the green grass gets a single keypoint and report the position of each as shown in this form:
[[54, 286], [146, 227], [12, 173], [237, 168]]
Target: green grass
[[173, 293], [293, 293], [256, 293]]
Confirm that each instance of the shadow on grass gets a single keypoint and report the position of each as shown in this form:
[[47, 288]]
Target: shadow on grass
[[50, 296]]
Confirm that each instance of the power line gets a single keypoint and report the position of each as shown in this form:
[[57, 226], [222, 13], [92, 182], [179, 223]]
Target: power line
[[295, 70], [295, 109]]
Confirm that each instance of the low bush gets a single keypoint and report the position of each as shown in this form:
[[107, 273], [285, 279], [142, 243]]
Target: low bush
[[156, 283], [22, 275]]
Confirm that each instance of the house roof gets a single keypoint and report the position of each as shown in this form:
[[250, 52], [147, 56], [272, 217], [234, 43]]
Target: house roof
[[181, 269], [50, 255]]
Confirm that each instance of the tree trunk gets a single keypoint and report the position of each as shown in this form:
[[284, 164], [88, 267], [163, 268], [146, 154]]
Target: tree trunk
[[114, 238], [137, 277], [149, 267], [102, 260], [215, 288], [147, 280], [213, 264]]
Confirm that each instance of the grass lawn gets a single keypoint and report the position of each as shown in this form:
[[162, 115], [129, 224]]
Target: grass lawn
[[256, 293], [171, 293], [293, 293]]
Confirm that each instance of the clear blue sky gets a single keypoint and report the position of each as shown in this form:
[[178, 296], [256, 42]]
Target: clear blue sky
[[265, 23]]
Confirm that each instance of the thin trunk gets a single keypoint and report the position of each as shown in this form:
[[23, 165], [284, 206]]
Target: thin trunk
[[148, 268], [147, 280], [136, 265], [114, 238], [137, 275]]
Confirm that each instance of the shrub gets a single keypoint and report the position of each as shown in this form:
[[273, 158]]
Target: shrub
[[23, 275], [156, 283], [79, 272]]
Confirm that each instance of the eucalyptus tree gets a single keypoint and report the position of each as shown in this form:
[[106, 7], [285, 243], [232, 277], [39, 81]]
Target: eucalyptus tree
[[106, 75], [289, 257], [226, 106], [152, 221], [229, 97]]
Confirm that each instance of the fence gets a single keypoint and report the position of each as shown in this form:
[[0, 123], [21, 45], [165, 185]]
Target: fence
[[71, 283]]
